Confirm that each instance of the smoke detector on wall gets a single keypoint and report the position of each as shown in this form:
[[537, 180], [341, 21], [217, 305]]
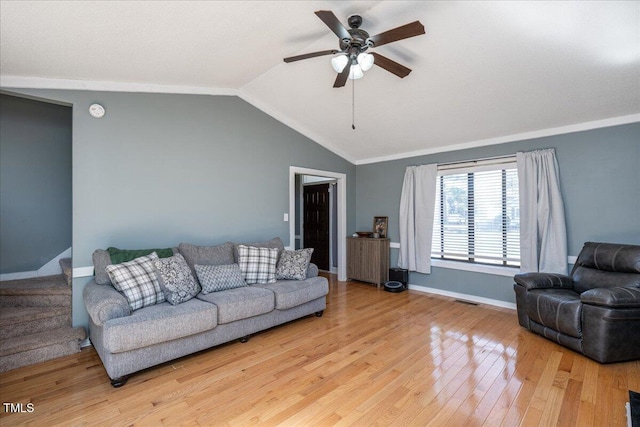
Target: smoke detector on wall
[[96, 110]]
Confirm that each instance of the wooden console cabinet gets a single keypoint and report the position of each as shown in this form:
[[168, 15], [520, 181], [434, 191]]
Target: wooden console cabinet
[[368, 259]]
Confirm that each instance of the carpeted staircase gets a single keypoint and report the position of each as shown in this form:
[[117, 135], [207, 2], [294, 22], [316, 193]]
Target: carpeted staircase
[[35, 321]]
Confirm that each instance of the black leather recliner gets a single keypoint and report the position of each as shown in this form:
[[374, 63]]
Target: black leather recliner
[[594, 311]]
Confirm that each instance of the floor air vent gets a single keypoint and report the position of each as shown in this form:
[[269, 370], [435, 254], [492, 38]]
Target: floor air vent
[[461, 301]]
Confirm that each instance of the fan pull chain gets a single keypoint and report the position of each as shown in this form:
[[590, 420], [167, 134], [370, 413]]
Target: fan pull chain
[[353, 104]]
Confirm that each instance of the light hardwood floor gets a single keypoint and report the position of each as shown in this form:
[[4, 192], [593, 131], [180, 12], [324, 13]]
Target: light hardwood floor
[[375, 358]]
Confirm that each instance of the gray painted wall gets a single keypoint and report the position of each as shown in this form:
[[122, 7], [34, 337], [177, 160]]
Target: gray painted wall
[[600, 180], [160, 169], [35, 183]]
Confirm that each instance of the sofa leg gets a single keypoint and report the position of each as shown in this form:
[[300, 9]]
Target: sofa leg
[[244, 339], [119, 382], [319, 313]]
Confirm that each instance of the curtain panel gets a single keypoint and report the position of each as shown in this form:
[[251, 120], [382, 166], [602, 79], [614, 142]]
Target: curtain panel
[[543, 232], [416, 217]]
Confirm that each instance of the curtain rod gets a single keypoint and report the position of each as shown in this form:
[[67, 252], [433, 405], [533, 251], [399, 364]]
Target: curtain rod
[[486, 159]]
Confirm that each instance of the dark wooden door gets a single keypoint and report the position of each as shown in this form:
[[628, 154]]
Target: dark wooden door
[[316, 223]]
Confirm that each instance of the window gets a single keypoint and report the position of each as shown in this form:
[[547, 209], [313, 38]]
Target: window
[[477, 215]]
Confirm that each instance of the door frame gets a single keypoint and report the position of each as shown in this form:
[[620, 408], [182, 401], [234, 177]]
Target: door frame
[[341, 178]]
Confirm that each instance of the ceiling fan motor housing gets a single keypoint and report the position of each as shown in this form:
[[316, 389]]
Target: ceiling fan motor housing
[[359, 38], [354, 21]]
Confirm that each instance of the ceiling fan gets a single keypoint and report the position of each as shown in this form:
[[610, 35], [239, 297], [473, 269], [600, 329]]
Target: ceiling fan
[[352, 59]]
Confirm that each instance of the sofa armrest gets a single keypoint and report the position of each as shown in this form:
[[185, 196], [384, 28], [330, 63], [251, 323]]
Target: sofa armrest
[[104, 302], [312, 271], [616, 297], [543, 280]]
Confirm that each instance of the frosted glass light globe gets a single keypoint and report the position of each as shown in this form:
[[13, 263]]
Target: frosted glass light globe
[[356, 72], [365, 60], [339, 62]]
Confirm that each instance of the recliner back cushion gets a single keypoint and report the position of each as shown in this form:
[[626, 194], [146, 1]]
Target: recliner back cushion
[[605, 265], [585, 278]]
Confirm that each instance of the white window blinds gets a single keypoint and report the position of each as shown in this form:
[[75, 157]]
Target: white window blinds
[[477, 215]]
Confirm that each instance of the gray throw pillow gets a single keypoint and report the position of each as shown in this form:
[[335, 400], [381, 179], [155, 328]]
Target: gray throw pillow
[[214, 278], [176, 279], [293, 264], [206, 255], [138, 281]]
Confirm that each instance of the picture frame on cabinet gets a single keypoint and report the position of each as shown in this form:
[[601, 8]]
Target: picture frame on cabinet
[[380, 224]]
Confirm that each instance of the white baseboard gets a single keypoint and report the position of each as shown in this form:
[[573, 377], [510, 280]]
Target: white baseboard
[[465, 297], [82, 272], [49, 269]]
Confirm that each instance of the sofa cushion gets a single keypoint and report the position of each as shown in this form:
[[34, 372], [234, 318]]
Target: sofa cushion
[[614, 257], [101, 259], [240, 303], [606, 265], [293, 264], [558, 309], [215, 278], [159, 323], [206, 255], [293, 293], [138, 281], [275, 243], [176, 280], [258, 265]]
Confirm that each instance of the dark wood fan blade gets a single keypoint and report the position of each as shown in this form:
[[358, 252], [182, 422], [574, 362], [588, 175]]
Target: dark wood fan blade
[[341, 80], [403, 32], [310, 55], [333, 23], [390, 65]]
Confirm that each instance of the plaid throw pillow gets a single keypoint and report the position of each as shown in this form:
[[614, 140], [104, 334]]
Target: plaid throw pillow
[[258, 265], [138, 281], [214, 278], [293, 264]]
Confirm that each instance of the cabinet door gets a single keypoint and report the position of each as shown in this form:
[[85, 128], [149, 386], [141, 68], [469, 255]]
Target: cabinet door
[[370, 260], [354, 269]]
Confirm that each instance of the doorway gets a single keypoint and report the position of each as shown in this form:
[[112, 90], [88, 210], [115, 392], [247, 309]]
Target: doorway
[[339, 224], [319, 215], [36, 186]]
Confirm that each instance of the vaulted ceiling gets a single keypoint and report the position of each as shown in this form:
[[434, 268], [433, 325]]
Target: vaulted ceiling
[[485, 72]]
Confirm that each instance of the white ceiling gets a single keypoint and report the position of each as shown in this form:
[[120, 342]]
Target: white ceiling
[[484, 72]]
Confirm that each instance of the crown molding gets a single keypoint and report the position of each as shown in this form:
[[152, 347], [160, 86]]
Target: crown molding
[[108, 86], [596, 124]]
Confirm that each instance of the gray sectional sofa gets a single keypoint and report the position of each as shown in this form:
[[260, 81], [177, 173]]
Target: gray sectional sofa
[[129, 340]]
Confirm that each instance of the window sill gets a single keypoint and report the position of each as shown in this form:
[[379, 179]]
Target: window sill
[[476, 268]]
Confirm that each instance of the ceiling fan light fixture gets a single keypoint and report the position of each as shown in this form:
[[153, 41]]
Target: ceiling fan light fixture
[[338, 63], [365, 60], [356, 72]]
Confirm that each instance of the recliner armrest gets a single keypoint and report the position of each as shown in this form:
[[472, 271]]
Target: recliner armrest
[[616, 297], [104, 302], [543, 280]]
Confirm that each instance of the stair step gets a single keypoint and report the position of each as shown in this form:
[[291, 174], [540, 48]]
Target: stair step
[[42, 339], [16, 321], [40, 347], [67, 269], [36, 292]]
